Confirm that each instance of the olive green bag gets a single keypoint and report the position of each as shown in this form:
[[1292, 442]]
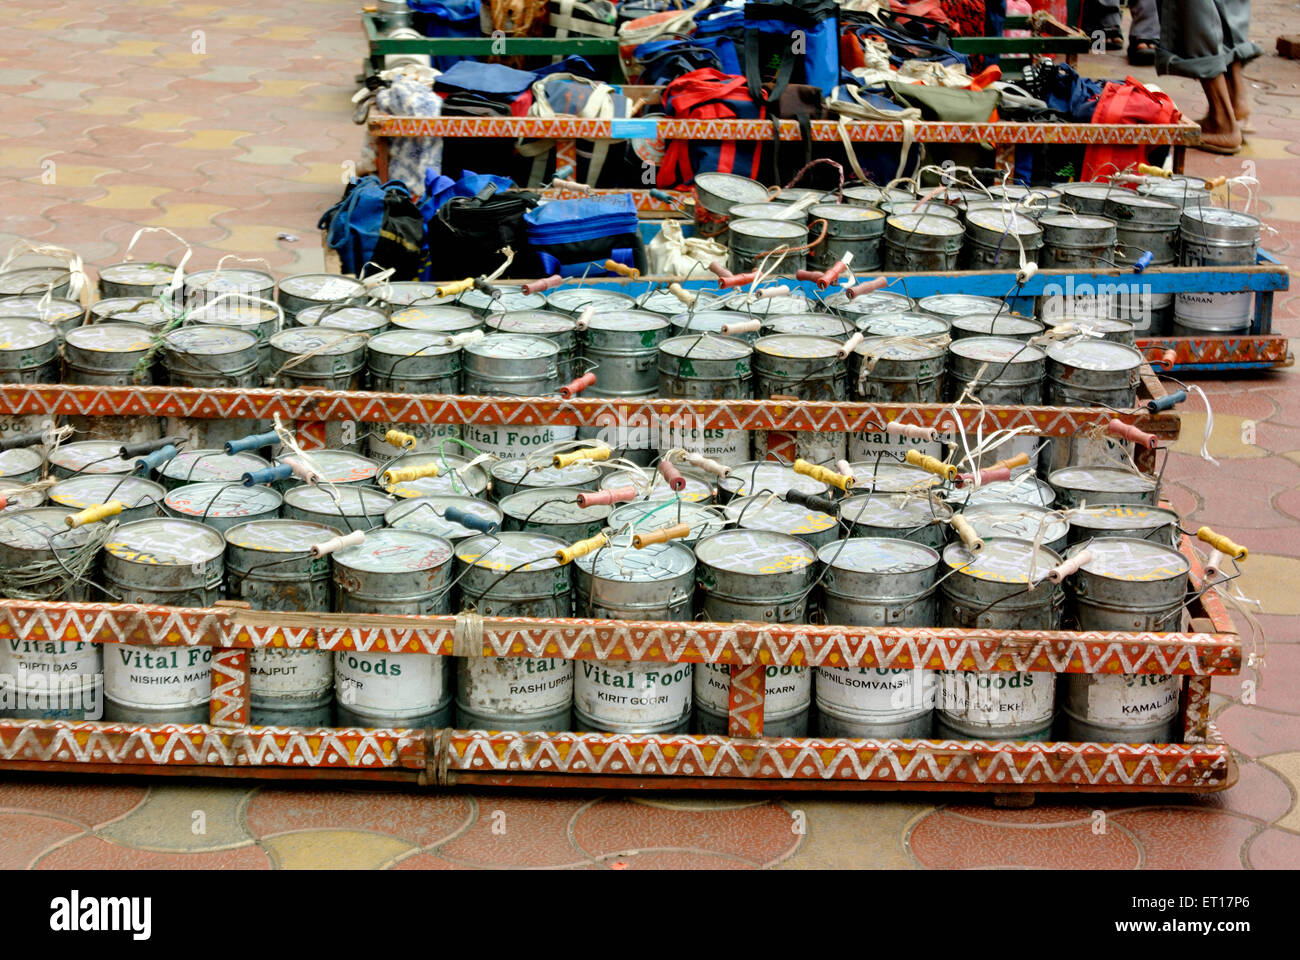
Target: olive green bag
[[955, 105]]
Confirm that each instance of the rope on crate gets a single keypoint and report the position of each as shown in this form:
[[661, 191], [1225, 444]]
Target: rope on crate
[[467, 638]]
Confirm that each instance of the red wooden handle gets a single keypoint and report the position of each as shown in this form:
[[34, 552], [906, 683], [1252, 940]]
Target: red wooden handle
[[736, 279], [869, 286], [670, 473], [833, 274], [575, 387], [537, 286], [1118, 428]]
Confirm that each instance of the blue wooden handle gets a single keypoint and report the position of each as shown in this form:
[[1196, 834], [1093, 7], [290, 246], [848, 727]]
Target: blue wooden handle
[[467, 519], [281, 471], [252, 442], [146, 464], [1165, 402]]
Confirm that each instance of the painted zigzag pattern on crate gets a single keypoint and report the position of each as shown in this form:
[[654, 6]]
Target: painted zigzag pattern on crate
[[320, 405], [950, 762], [934, 649], [576, 128], [936, 761], [199, 744]]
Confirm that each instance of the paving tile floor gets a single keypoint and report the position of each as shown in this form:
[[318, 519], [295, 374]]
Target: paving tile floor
[[229, 123]]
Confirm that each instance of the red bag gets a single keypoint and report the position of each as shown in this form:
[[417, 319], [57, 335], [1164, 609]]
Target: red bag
[[1127, 102], [932, 10], [708, 95], [851, 54]]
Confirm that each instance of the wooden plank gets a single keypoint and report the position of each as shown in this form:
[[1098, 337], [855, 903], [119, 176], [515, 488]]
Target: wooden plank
[[953, 764], [202, 745], [861, 131], [930, 648], [620, 761], [314, 407], [1210, 353]]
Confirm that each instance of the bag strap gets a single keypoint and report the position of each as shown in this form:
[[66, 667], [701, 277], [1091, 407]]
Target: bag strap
[[708, 93], [753, 73], [842, 126], [600, 104]]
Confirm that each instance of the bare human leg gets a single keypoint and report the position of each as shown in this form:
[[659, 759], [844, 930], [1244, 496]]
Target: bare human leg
[[1219, 130], [1237, 93]]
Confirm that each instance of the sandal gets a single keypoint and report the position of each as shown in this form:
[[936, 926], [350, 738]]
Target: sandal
[[1114, 41], [1141, 52], [1223, 148]]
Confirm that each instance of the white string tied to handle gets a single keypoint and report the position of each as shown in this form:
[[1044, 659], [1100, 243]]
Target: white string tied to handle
[[289, 441], [243, 298], [375, 279], [1248, 183], [1209, 424], [230, 256], [78, 281], [178, 275], [509, 255]]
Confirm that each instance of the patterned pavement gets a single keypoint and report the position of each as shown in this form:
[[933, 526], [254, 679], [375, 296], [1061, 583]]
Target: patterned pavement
[[229, 123]]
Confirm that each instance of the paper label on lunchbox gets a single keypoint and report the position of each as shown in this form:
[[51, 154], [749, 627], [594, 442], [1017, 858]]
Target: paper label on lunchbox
[[875, 691], [158, 676], [388, 682], [515, 686], [290, 673], [633, 693], [788, 689], [865, 446], [997, 699], [509, 442], [1132, 700], [728, 447]]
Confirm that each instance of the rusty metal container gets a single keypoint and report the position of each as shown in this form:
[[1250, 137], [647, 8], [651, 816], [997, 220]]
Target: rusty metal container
[[270, 565], [990, 590], [621, 583], [172, 562], [514, 574]]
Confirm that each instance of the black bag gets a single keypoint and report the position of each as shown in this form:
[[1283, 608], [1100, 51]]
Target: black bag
[[784, 100], [480, 153], [401, 236], [665, 60], [467, 233], [803, 103]]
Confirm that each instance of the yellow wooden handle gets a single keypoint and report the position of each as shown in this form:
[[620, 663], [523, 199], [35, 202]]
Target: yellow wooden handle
[[967, 533], [839, 481], [1221, 543], [398, 439], [1215, 182], [613, 266], [586, 453], [100, 511], [929, 464], [580, 549], [1019, 460], [403, 474], [662, 535], [1149, 171], [455, 288]]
